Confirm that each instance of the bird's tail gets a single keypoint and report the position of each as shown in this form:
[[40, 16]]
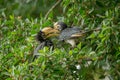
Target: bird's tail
[[97, 29]]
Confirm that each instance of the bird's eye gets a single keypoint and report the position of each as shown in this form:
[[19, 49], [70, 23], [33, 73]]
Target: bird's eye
[[58, 27]]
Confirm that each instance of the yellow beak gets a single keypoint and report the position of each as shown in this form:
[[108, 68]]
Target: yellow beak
[[50, 32]]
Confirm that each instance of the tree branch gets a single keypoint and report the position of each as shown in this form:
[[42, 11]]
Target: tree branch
[[46, 16]]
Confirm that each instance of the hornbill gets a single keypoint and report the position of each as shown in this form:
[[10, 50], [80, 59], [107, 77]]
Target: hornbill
[[43, 38], [70, 34]]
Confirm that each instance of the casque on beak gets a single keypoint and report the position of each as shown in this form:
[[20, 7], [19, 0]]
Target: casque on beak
[[50, 32]]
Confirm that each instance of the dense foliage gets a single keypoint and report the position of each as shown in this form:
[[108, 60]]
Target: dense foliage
[[96, 57]]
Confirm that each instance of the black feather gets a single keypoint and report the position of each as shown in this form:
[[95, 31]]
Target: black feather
[[40, 36]]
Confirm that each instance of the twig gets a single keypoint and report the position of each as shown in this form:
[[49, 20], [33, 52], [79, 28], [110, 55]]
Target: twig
[[46, 16]]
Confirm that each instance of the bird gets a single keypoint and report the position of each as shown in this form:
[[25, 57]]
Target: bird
[[42, 38], [70, 35]]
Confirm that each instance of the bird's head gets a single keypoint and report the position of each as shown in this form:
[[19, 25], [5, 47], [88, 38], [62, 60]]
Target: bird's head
[[46, 33], [60, 26]]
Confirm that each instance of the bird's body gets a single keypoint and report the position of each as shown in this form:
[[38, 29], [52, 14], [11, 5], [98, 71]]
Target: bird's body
[[69, 35]]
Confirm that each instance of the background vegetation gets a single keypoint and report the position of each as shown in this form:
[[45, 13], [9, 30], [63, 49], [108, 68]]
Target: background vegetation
[[96, 57]]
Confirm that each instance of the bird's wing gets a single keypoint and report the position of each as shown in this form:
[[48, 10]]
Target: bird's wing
[[69, 33]]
